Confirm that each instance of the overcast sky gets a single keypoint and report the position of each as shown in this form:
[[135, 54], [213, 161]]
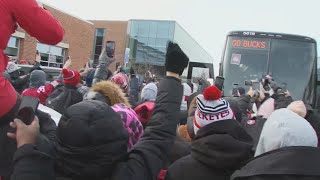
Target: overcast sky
[[208, 21]]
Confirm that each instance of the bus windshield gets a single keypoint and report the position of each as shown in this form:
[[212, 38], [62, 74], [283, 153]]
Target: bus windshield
[[288, 62]]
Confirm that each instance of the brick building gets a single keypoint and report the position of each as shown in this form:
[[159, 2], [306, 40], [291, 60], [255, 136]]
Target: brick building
[[77, 43], [110, 31]]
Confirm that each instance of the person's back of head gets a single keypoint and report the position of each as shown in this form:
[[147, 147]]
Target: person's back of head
[[299, 108], [211, 108], [108, 92], [130, 122], [121, 80], [284, 128], [91, 138], [149, 92], [70, 77], [37, 79], [219, 142]]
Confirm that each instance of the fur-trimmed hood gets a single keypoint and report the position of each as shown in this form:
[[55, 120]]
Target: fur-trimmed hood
[[112, 92]]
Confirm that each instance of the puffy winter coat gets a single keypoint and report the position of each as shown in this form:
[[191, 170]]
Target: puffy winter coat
[[218, 150], [298, 163]]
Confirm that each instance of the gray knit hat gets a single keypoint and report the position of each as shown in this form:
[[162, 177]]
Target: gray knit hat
[[149, 92], [37, 79]]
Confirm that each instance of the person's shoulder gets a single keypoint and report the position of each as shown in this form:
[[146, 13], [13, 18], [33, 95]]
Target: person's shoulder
[[62, 178], [26, 92], [182, 163], [48, 85], [184, 168]]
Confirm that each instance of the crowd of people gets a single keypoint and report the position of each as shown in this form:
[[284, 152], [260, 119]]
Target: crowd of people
[[96, 124]]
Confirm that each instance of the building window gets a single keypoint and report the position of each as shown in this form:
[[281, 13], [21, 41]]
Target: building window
[[98, 43], [51, 56], [12, 49]]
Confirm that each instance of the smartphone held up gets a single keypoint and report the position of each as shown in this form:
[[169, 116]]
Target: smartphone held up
[[27, 109], [110, 48]]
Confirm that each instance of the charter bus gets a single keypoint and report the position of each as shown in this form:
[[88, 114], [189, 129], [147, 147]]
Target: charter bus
[[289, 59]]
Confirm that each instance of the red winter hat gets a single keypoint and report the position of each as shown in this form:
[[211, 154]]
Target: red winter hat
[[70, 77], [144, 112], [8, 96], [121, 80]]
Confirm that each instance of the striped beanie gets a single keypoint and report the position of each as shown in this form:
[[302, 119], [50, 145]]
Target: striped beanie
[[211, 108]]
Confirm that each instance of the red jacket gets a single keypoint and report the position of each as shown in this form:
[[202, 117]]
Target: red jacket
[[42, 93], [38, 22]]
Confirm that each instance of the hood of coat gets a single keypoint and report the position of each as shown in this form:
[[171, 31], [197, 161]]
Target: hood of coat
[[222, 145], [285, 128], [112, 92], [130, 122], [285, 161], [89, 143]]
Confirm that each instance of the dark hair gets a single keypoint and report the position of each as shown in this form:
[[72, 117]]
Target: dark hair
[[89, 77]]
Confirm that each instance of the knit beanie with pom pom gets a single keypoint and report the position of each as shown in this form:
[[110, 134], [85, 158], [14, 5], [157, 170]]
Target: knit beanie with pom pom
[[211, 108]]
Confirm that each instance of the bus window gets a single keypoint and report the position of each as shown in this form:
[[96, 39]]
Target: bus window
[[289, 59], [245, 58], [291, 62], [197, 70]]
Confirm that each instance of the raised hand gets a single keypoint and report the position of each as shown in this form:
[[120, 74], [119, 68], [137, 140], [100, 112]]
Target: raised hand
[[176, 59], [38, 57], [68, 63]]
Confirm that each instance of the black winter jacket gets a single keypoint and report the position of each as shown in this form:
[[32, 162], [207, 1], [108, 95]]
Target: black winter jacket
[[245, 105], [254, 127], [9, 146], [181, 148], [291, 163], [19, 83], [63, 97], [133, 89], [281, 101], [218, 150], [313, 117], [147, 157]]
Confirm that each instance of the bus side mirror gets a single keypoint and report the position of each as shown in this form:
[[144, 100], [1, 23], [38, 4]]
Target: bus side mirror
[[220, 69], [318, 96]]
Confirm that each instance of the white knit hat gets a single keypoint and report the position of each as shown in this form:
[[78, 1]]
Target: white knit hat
[[211, 108]]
